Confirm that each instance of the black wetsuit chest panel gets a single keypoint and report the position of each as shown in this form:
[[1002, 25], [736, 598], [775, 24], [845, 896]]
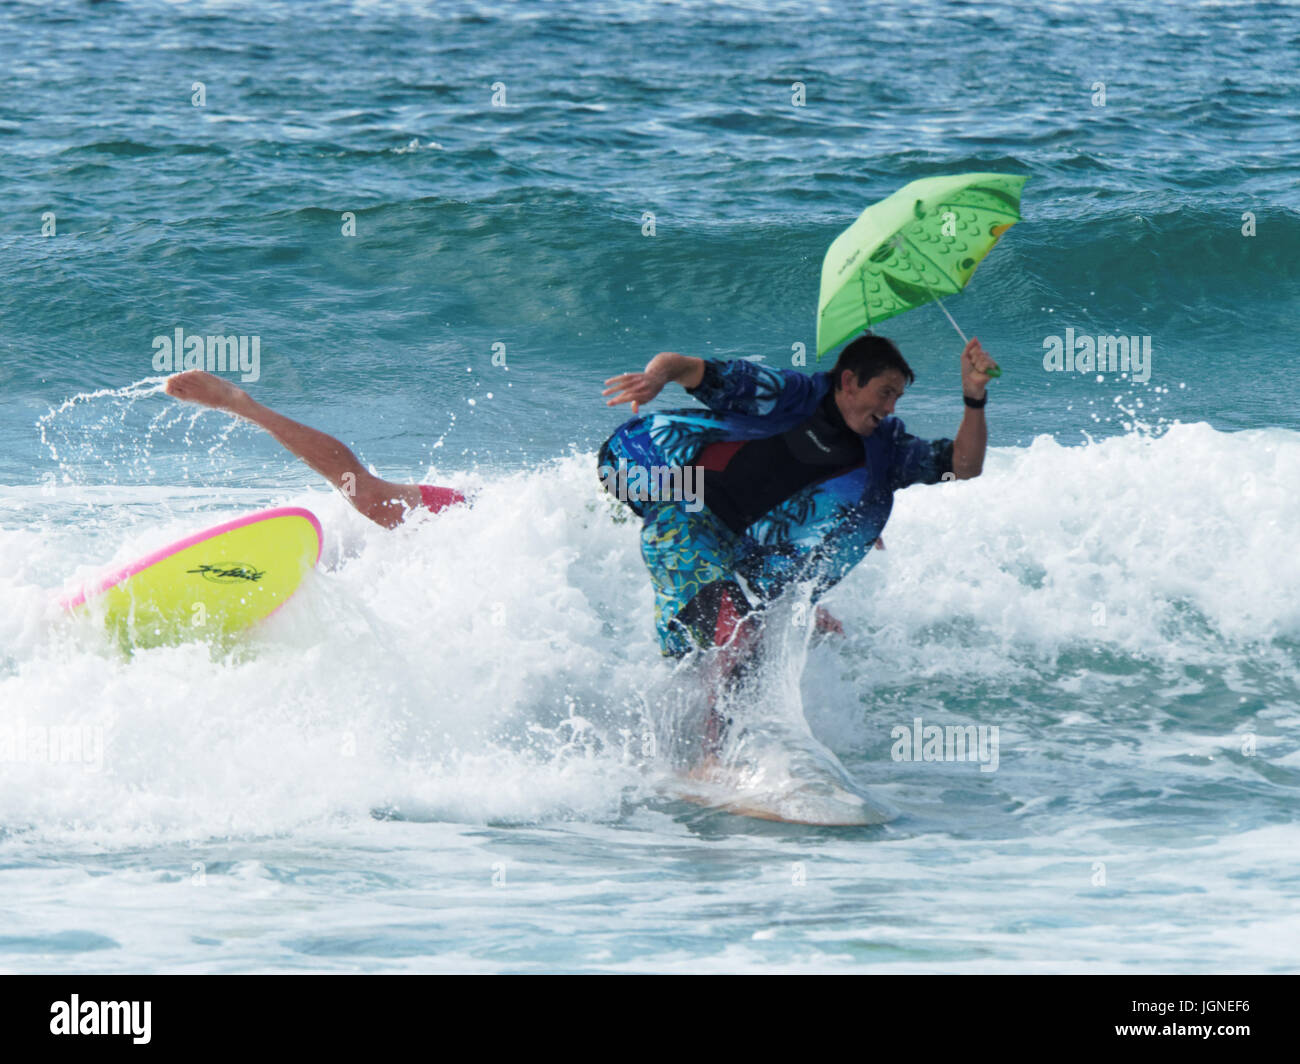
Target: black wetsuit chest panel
[[761, 474]]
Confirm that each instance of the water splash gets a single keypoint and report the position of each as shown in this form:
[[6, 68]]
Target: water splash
[[116, 435]]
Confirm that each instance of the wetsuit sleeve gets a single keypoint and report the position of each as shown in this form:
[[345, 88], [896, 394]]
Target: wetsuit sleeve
[[738, 386], [917, 461]]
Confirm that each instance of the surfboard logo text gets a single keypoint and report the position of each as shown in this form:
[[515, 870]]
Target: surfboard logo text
[[229, 574]]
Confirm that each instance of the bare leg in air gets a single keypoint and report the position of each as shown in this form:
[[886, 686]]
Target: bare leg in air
[[384, 502]]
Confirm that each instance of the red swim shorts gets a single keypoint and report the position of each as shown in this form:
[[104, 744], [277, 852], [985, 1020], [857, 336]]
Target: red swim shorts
[[439, 498]]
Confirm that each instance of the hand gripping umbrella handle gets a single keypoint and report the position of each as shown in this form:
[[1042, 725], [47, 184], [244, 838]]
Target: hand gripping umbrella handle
[[995, 372]]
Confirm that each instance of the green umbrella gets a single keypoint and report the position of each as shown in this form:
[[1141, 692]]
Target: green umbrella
[[921, 243]]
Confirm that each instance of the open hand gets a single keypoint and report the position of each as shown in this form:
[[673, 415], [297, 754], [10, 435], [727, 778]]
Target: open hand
[[634, 388], [638, 388]]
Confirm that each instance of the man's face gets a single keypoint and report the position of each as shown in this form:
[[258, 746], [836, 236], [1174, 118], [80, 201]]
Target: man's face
[[864, 405]]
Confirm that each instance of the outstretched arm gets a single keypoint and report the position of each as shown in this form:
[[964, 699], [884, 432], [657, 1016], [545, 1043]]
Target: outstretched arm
[[638, 388], [973, 435], [382, 501]]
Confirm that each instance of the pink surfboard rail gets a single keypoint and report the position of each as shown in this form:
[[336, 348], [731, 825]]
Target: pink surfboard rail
[[98, 585]]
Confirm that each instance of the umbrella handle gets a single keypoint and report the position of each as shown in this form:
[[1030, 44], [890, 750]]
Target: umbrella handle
[[994, 372]]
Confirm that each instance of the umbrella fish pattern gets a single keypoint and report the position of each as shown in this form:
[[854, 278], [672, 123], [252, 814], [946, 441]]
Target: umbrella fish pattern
[[922, 242]]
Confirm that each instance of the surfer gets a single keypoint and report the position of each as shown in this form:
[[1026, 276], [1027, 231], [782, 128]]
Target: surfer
[[383, 501], [799, 473]]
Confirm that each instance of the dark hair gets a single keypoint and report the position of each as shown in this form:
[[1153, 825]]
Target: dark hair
[[869, 356]]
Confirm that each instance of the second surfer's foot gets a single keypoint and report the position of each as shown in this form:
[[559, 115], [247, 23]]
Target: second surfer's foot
[[705, 768], [197, 386], [715, 729]]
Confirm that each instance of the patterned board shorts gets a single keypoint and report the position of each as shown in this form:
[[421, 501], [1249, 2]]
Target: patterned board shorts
[[685, 553]]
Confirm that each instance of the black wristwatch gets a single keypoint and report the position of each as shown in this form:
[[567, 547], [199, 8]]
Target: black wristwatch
[[974, 404]]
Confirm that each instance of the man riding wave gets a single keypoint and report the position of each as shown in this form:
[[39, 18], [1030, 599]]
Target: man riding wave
[[799, 473]]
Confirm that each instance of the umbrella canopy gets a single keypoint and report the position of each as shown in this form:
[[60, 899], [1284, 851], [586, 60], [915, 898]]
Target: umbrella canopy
[[922, 242]]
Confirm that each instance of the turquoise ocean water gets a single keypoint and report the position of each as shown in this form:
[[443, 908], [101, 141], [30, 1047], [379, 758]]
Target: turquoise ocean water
[[432, 758]]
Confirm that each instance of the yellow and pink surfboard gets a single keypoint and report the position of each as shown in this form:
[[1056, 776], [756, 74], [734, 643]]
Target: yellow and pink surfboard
[[208, 585]]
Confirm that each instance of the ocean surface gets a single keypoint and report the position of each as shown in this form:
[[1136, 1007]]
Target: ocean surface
[[435, 757]]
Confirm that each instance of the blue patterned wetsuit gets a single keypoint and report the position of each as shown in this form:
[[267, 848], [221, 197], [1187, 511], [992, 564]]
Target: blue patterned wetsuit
[[817, 534]]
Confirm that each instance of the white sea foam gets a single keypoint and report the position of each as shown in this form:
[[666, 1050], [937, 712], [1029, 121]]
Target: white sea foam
[[496, 662]]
